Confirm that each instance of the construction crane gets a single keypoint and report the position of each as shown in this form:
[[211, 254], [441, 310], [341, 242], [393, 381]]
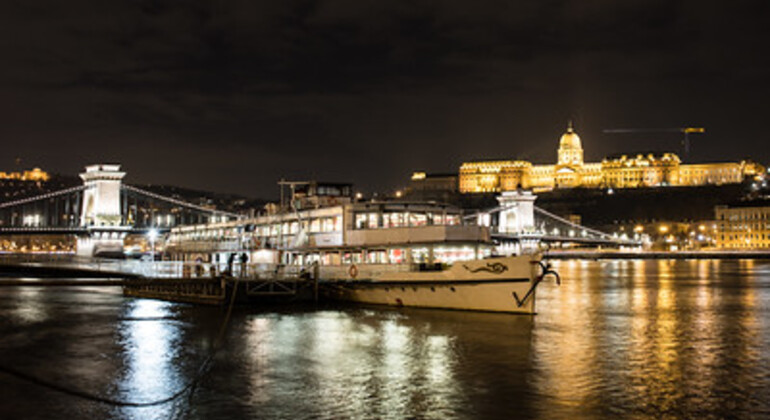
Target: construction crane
[[685, 130]]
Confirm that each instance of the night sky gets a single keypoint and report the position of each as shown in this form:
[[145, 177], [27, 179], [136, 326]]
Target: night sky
[[230, 96]]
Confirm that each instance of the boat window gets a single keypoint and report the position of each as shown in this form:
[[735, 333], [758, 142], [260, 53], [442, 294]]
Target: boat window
[[360, 221], [315, 225], [393, 220], [338, 224], [373, 223], [377, 256], [331, 258], [328, 224], [397, 256], [420, 255], [417, 219], [450, 254]]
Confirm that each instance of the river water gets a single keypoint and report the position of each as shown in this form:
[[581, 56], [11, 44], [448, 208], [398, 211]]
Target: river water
[[618, 339]]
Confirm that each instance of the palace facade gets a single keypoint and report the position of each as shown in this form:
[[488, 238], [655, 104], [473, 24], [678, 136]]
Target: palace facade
[[35, 174], [642, 170]]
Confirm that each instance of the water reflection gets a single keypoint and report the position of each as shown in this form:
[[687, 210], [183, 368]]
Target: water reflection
[[29, 306], [681, 337], [370, 364], [150, 339], [629, 339]]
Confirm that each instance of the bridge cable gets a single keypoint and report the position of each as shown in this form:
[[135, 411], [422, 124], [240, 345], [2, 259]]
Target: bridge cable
[[43, 196], [191, 386], [177, 202], [572, 224]]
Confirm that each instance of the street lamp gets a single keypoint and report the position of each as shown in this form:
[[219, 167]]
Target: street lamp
[[152, 235]]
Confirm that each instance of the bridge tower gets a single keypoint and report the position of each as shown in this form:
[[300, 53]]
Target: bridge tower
[[517, 217], [101, 211]]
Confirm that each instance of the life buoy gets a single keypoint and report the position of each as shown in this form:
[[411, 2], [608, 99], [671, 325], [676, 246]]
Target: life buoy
[[353, 271]]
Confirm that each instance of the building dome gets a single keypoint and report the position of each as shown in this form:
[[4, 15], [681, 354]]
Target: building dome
[[570, 139]]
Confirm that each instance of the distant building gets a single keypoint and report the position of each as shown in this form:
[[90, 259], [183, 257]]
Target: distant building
[[623, 171], [436, 187], [433, 182], [35, 174], [743, 225]]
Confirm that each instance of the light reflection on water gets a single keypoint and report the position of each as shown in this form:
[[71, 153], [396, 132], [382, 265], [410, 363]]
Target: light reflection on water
[[656, 338], [370, 364], [150, 340], [632, 339]]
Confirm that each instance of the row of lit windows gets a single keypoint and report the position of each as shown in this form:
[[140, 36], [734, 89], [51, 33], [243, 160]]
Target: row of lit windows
[[753, 236], [743, 228], [315, 225], [745, 215], [376, 220], [446, 254]]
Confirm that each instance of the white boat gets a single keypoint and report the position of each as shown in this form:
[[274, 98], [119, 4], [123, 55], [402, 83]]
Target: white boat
[[505, 284], [391, 253]]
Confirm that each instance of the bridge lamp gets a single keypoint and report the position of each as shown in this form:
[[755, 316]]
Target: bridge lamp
[[152, 235]]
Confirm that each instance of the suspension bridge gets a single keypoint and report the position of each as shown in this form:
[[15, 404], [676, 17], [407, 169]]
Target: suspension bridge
[[102, 212], [520, 226]]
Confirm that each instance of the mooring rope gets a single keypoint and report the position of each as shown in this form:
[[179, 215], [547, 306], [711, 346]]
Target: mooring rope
[[202, 370]]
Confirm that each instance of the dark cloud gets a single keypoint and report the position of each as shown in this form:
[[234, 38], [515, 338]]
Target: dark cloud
[[233, 95]]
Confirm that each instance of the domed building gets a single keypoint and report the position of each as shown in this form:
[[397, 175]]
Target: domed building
[[621, 171], [570, 149]]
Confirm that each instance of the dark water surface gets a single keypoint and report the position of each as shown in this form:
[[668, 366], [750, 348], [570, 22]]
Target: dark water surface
[[618, 339]]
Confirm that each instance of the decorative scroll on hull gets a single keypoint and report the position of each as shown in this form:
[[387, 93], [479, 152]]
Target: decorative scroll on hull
[[477, 285]]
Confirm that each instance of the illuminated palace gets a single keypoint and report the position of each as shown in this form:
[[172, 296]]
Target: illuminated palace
[[35, 174], [624, 171]]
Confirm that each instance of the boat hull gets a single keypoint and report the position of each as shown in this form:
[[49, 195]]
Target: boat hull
[[467, 286]]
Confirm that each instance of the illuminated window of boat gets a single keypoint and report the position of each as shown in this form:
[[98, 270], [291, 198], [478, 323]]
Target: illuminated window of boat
[[420, 255], [450, 254], [397, 256], [360, 221], [373, 221], [376, 256], [347, 258], [331, 258], [393, 220], [315, 225], [418, 219]]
